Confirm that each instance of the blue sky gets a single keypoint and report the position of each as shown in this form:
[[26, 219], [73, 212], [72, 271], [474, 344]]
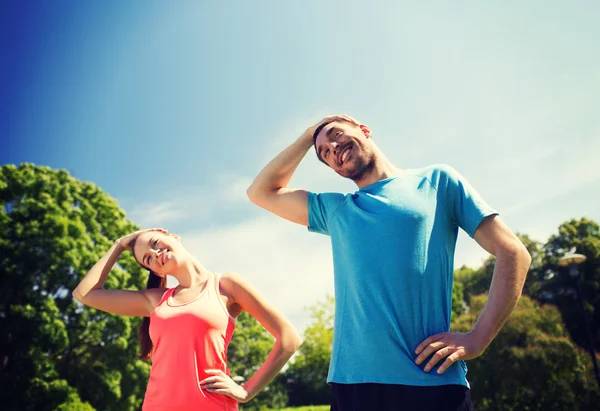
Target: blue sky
[[172, 109]]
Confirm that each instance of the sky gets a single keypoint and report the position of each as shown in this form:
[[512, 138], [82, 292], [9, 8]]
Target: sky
[[172, 108]]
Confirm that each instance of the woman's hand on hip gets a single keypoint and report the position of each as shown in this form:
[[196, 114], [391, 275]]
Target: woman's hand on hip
[[221, 383]]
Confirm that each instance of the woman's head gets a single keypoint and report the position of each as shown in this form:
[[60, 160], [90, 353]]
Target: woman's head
[[158, 252], [161, 254]]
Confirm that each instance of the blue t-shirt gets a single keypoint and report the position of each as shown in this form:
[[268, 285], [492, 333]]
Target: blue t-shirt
[[393, 255]]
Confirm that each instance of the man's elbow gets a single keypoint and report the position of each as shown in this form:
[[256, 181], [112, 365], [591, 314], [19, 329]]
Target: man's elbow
[[257, 195], [252, 194], [522, 254], [522, 259], [526, 257]]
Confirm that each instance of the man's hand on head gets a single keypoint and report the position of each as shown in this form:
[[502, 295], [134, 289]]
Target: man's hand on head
[[309, 133]]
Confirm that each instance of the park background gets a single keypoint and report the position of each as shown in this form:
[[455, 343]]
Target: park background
[[160, 114]]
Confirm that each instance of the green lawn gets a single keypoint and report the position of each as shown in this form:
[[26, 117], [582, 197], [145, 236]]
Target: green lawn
[[308, 408]]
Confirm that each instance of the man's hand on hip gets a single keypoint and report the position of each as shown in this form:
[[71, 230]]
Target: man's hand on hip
[[452, 346]]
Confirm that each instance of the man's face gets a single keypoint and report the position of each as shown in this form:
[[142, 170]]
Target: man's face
[[346, 148]]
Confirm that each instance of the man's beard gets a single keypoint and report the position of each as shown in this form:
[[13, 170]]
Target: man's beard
[[362, 167]]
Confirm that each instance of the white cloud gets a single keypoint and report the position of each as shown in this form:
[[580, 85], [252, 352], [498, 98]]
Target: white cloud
[[291, 267], [192, 205]]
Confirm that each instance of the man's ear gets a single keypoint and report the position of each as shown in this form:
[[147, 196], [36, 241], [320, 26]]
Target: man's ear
[[175, 236], [366, 130]]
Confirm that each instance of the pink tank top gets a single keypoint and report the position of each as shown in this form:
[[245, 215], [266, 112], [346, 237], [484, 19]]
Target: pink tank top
[[189, 339]]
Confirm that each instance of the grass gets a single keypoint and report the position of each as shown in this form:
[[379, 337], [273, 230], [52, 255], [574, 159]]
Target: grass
[[307, 408]]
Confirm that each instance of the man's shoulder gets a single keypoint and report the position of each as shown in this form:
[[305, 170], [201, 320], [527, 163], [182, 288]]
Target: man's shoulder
[[435, 173], [432, 169], [329, 198]]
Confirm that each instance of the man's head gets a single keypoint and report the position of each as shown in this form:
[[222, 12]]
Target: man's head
[[345, 146]]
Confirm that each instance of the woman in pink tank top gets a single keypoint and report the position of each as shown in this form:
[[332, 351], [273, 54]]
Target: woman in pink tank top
[[186, 329]]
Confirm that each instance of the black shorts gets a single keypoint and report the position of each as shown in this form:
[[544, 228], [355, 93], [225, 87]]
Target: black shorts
[[396, 397]]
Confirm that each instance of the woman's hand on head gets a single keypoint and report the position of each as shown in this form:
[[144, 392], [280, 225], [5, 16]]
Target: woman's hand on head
[[127, 240]]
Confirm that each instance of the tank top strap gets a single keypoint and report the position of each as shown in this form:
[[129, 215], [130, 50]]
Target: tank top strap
[[217, 290], [217, 280], [168, 293]]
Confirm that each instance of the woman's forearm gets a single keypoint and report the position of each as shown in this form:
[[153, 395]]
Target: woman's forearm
[[279, 355], [96, 277]]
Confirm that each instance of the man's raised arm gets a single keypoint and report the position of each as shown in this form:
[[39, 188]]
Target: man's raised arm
[[269, 189]]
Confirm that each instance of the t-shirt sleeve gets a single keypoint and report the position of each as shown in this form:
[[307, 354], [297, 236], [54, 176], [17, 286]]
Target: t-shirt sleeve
[[464, 205], [320, 209]]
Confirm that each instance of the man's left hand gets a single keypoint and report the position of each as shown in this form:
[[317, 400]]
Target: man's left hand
[[450, 345]]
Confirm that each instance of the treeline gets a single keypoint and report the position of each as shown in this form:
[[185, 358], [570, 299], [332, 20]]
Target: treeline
[[55, 355]]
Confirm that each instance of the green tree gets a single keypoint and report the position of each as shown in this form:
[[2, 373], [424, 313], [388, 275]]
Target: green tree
[[247, 351], [458, 299], [552, 284], [478, 281], [531, 365], [307, 374], [475, 281], [53, 352]]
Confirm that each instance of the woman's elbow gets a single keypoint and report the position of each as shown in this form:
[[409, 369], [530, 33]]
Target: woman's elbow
[[77, 295], [293, 341]]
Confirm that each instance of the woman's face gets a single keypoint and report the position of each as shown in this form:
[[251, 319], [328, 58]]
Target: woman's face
[[158, 252]]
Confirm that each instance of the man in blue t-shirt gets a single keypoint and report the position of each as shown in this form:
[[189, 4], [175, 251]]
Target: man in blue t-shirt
[[393, 245]]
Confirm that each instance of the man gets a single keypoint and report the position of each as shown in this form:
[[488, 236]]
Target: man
[[393, 245]]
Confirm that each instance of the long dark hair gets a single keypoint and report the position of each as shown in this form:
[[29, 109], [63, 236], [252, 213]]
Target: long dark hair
[[154, 281]]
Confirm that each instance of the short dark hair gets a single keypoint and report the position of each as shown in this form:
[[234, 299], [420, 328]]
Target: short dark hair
[[318, 130]]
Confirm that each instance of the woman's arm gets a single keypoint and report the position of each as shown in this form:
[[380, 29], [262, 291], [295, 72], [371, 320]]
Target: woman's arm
[[90, 290], [287, 341]]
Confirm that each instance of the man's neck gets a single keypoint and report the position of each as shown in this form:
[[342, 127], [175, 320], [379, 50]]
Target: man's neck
[[382, 169]]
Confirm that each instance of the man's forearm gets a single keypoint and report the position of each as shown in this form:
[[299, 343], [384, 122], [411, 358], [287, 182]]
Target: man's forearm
[[279, 171], [505, 291]]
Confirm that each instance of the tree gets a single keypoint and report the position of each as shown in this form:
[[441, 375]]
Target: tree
[[478, 281], [247, 351], [531, 365], [307, 374], [458, 298], [552, 284], [54, 353]]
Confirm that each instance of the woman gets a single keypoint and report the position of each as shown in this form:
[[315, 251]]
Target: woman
[[189, 326]]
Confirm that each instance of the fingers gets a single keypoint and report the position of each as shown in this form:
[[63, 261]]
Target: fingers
[[457, 355], [428, 341], [438, 356], [162, 230], [210, 380], [219, 385], [344, 117], [349, 118], [430, 349]]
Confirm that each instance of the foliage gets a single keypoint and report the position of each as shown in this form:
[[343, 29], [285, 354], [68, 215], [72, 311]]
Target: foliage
[[550, 283], [247, 351], [531, 365], [307, 375], [56, 355], [53, 228], [458, 300]]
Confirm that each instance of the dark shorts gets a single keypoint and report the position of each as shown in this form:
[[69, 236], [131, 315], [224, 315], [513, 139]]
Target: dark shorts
[[396, 397]]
